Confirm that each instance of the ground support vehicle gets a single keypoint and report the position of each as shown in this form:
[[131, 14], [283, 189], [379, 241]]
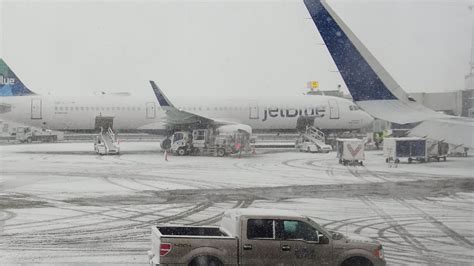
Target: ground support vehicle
[[106, 143], [437, 150], [260, 237], [29, 134], [350, 151], [208, 142], [414, 149], [312, 140], [457, 151]]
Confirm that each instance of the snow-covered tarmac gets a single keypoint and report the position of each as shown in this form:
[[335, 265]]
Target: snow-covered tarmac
[[62, 204]]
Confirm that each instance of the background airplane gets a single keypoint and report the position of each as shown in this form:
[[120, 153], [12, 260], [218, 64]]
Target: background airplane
[[128, 112], [375, 91]]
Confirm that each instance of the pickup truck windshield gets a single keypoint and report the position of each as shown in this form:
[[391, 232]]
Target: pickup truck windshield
[[318, 227]]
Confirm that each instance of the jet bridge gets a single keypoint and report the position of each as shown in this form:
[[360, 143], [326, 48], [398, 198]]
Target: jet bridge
[[106, 143]]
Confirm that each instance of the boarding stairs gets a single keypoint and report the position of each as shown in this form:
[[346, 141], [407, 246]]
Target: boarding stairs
[[107, 143], [317, 137]]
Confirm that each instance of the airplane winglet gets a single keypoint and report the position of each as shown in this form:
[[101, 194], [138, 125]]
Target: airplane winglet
[[160, 96]]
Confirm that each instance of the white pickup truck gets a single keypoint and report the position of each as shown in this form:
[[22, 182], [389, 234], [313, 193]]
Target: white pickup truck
[[260, 237]]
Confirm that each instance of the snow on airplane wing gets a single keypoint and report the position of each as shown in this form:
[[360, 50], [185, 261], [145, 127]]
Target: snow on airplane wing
[[175, 116], [374, 89], [453, 130]]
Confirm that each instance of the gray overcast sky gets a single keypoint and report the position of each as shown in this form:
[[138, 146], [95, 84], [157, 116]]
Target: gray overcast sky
[[226, 47]]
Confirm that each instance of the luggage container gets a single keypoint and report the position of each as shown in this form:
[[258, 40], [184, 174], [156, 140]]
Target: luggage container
[[350, 151], [395, 149], [437, 150], [414, 149], [457, 151]]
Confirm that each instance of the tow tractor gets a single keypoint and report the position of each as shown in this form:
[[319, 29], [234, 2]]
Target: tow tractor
[[28, 135], [207, 142]]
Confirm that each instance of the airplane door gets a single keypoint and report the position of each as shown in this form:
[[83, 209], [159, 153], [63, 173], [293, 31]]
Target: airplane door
[[150, 110], [333, 109], [253, 110], [36, 109]]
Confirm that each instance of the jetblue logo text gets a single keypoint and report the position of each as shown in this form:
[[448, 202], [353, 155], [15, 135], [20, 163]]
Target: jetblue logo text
[[291, 112], [6, 81]]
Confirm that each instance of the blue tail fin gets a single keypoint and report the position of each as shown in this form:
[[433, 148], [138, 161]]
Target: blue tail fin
[[370, 85], [10, 85], [365, 78]]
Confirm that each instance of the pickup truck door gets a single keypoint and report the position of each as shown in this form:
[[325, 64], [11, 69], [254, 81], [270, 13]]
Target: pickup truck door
[[301, 244], [259, 245]]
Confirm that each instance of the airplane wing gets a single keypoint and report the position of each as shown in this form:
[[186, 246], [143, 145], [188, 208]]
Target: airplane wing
[[452, 130], [176, 117], [373, 88]]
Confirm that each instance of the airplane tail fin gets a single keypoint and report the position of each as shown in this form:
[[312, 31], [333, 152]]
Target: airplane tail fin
[[370, 85], [160, 96], [10, 84]]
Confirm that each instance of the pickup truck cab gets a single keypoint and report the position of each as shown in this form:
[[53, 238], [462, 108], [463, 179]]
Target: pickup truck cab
[[260, 237]]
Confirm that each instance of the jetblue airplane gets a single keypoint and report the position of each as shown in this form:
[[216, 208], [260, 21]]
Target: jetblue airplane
[[127, 112], [375, 91]]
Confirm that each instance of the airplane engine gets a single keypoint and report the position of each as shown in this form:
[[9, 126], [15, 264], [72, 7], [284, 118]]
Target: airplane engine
[[234, 128]]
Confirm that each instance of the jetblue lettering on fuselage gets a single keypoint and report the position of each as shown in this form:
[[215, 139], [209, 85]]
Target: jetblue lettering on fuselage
[[292, 112], [6, 80]]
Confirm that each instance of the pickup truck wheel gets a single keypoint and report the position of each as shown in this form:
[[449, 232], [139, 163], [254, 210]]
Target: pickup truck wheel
[[206, 261], [357, 261]]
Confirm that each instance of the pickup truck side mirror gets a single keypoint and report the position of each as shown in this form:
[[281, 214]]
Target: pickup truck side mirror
[[322, 239]]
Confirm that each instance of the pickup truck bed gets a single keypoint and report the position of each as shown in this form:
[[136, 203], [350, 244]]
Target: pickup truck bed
[[186, 244], [191, 231]]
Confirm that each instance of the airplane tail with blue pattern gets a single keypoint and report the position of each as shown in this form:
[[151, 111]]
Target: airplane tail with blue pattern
[[370, 85], [10, 84]]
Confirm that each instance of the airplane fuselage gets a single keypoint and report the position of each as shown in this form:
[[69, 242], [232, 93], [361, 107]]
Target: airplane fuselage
[[129, 112]]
